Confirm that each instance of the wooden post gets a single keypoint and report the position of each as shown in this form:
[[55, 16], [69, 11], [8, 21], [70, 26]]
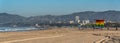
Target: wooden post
[[108, 28], [116, 26]]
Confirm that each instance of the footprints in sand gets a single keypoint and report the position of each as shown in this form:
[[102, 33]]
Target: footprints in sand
[[105, 34], [109, 38]]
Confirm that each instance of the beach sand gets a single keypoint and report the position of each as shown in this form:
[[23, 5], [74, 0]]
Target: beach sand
[[57, 35]]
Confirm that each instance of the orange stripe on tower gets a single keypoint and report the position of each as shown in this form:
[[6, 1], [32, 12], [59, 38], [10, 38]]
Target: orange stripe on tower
[[100, 22]]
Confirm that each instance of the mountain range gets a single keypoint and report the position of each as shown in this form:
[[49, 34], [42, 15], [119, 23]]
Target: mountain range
[[112, 15]]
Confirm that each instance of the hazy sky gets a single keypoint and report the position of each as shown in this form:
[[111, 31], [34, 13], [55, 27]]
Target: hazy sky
[[56, 7]]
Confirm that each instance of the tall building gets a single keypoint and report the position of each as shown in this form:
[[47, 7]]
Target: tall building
[[77, 20]]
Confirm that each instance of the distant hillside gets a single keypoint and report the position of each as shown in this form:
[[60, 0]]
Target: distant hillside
[[106, 15], [7, 18], [91, 15]]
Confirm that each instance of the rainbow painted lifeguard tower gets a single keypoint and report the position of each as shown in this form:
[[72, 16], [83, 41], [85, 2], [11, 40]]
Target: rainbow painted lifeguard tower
[[99, 24]]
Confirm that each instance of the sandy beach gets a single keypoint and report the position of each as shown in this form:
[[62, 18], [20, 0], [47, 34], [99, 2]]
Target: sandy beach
[[59, 35]]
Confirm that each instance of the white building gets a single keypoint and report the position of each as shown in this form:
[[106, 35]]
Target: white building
[[71, 22], [37, 25], [85, 22]]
